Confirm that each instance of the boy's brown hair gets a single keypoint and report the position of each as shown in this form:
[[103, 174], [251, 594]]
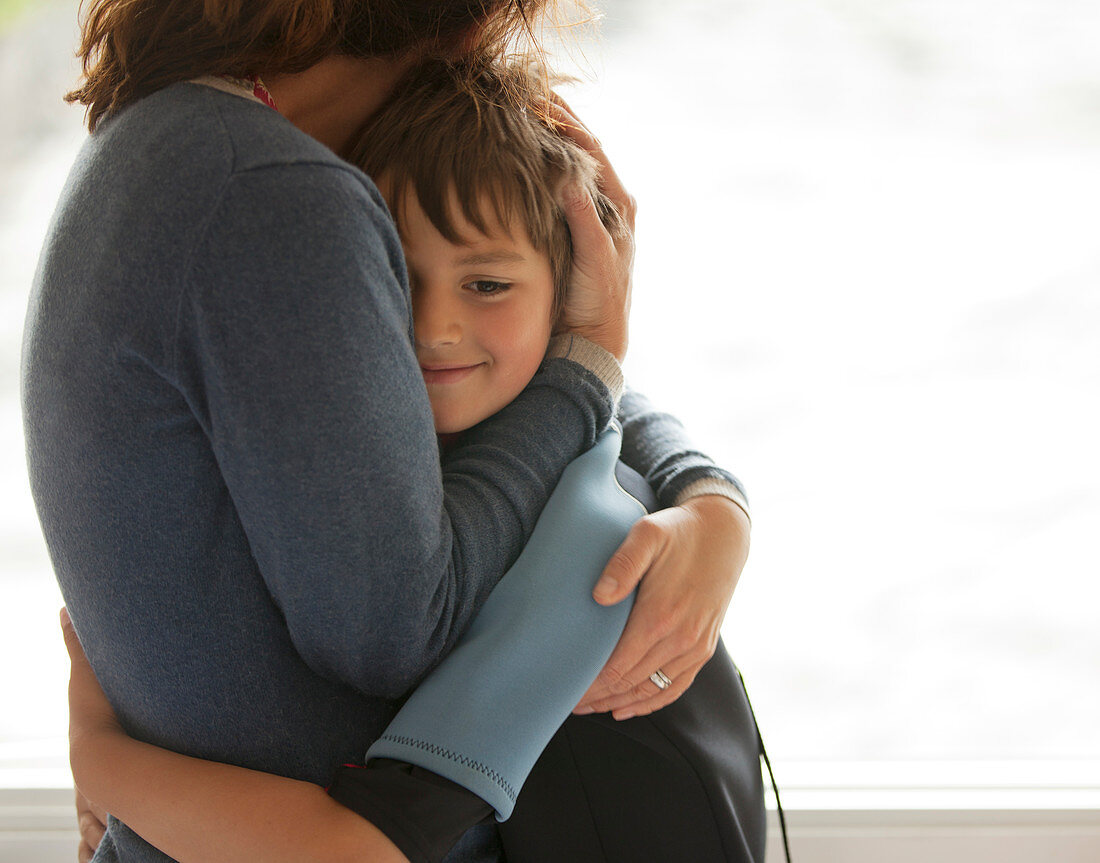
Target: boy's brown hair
[[477, 134], [131, 48]]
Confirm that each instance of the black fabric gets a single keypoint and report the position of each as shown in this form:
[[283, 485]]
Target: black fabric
[[422, 814], [682, 784]]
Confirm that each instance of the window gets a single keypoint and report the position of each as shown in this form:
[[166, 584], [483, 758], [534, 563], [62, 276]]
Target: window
[[867, 280]]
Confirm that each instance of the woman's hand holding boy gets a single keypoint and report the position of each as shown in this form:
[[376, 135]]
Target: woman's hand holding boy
[[685, 562]]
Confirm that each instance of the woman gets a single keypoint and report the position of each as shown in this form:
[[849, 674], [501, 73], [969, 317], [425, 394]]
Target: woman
[[227, 430]]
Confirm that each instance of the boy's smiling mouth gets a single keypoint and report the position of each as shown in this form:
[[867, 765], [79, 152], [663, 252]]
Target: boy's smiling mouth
[[449, 373]]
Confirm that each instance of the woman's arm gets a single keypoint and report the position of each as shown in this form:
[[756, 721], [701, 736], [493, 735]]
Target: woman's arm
[[204, 811], [657, 446], [688, 558]]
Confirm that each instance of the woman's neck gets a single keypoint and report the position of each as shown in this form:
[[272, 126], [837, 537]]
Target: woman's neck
[[331, 100]]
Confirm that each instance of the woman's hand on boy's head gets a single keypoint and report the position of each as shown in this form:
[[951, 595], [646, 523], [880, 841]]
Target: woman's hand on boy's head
[[597, 305], [685, 562]]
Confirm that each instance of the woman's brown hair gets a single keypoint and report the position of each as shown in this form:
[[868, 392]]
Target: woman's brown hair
[[131, 48]]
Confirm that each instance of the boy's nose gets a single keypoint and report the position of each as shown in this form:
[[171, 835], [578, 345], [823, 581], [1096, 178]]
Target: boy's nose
[[434, 323]]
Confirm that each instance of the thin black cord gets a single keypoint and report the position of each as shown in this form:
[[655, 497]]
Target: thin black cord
[[768, 764]]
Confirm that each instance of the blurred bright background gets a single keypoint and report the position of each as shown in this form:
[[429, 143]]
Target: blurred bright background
[[868, 280]]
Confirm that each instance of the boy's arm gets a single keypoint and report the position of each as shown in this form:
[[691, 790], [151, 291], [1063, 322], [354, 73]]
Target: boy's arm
[[684, 560], [656, 446], [294, 350]]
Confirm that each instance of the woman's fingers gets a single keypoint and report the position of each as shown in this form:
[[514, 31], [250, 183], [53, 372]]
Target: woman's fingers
[[643, 638], [610, 184], [593, 246], [648, 697], [629, 564], [88, 705], [619, 578], [635, 692], [597, 305], [72, 643], [645, 695], [657, 701], [92, 822], [686, 561], [83, 685]]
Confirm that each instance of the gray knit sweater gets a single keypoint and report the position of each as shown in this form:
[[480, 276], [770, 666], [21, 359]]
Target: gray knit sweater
[[231, 448]]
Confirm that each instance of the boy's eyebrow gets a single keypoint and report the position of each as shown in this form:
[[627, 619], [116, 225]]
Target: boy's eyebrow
[[493, 257]]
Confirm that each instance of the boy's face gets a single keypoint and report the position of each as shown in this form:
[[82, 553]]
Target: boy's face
[[481, 314]]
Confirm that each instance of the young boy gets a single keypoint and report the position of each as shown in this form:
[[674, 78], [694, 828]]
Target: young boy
[[472, 171], [472, 174]]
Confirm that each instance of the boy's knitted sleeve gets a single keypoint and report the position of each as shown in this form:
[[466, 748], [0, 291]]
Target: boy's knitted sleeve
[[656, 446], [293, 347]]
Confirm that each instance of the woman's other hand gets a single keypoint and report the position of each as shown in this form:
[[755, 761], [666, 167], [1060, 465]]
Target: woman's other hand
[[688, 560], [597, 306], [92, 822], [89, 713]]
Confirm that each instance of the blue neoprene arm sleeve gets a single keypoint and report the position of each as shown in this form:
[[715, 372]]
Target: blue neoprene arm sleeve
[[484, 715]]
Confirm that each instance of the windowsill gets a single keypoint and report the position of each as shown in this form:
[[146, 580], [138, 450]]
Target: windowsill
[[833, 786], [950, 812], [851, 811], [940, 785]]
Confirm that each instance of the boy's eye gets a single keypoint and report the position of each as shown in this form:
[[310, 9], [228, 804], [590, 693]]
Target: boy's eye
[[484, 287]]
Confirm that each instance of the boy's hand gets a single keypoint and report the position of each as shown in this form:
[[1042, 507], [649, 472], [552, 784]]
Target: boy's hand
[[598, 303], [688, 560]]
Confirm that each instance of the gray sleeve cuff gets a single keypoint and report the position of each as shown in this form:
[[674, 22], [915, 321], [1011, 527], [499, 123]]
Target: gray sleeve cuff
[[714, 485], [592, 357]]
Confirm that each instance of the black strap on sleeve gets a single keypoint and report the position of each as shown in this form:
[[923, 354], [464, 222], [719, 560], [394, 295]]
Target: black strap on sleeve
[[422, 813]]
